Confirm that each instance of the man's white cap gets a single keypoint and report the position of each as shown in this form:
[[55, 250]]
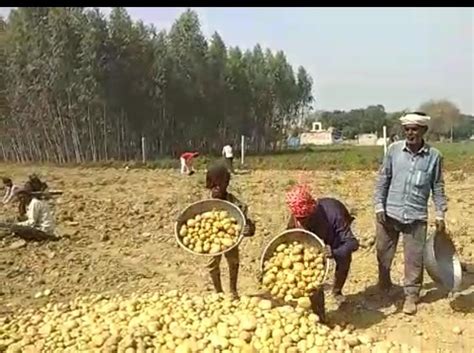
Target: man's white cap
[[415, 119]]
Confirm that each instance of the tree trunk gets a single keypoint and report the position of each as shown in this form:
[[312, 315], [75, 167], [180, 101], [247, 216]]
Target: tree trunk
[[106, 155]]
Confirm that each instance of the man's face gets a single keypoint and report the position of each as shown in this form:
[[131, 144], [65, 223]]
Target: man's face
[[304, 221], [414, 133], [23, 197]]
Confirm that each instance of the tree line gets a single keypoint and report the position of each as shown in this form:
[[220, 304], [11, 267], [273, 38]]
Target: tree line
[[447, 122], [76, 86]]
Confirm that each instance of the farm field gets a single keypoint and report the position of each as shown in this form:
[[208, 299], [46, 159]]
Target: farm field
[[117, 229], [457, 156]]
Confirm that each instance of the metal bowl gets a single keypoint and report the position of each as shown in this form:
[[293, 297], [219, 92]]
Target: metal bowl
[[441, 261], [205, 206], [288, 236]]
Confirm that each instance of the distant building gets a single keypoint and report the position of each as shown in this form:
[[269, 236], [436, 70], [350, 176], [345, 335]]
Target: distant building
[[317, 136]]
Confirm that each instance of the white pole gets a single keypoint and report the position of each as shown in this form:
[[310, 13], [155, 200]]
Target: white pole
[[384, 140], [143, 150], [242, 149]]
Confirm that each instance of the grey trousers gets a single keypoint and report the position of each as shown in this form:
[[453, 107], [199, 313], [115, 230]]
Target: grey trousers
[[414, 237]]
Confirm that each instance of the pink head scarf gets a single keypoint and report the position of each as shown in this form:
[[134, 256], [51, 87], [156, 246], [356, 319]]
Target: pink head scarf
[[300, 202]]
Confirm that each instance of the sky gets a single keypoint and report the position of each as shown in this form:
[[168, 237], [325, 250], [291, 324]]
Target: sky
[[397, 57]]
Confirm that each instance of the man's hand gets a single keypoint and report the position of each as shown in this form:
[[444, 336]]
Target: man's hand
[[381, 218], [246, 230], [328, 251], [249, 229], [440, 225]]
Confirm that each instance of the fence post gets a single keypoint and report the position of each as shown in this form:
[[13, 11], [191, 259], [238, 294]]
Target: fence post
[[143, 150], [242, 149]]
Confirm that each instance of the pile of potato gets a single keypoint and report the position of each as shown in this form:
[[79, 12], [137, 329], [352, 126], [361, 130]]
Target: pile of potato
[[293, 271], [210, 232], [174, 322]]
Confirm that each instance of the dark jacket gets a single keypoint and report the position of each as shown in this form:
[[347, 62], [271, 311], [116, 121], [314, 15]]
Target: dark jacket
[[331, 221]]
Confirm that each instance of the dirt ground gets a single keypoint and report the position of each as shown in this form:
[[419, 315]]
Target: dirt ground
[[117, 229]]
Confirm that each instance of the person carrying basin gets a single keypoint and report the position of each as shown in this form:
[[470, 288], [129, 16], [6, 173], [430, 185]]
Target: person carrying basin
[[330, 220]]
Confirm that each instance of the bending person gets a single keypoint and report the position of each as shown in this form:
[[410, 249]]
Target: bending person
[[330, 220]]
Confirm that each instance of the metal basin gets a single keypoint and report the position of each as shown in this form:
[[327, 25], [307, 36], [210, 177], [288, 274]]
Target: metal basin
[[205, 206], [288, 236], [441, 261]]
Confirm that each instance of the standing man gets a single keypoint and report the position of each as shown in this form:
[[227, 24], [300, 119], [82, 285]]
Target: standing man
[[411, 170], [217, 180], [229, 156]]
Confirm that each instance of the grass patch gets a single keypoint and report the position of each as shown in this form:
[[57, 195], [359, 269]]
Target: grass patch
[[457, 156]]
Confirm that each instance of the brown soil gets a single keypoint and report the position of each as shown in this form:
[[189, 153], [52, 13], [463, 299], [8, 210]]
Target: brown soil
[[117, 229]]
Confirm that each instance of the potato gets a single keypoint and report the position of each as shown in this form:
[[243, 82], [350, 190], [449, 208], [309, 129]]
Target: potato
[[210, 232], [299, 270], [176, 322], [183, 231]]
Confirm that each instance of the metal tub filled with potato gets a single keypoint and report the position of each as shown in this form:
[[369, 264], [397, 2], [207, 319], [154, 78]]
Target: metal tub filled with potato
[[293, 265], [210, 227]]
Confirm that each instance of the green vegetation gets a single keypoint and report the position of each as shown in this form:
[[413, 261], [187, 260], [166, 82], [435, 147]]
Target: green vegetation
[[446, 121], [457, 156], [344, 157], [81, 87]]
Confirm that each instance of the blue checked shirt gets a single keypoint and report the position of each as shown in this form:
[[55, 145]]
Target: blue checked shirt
[[405, 181]]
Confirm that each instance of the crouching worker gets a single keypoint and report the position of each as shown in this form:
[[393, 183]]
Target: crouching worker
[[330, 220], [217, 180], [39, 224], [10, 190], [35, 185]]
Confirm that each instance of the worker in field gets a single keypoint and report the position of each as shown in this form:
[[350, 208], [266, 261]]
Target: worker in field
[[34, 185], [228, 154], [330, 220], [186, 160], [217, 180], [411, 170], [10, 190], [39, 224]]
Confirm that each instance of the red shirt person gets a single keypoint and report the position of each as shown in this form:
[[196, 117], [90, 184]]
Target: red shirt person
[[186, 162]]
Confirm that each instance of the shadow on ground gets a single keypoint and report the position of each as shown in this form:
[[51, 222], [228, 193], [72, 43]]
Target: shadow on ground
[[349, 312], [368, 307], [463, 303]]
